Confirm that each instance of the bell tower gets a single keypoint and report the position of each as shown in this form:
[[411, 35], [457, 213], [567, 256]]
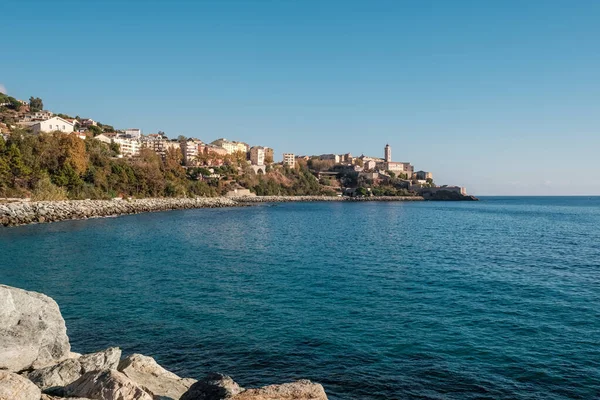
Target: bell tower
[[387, 153]]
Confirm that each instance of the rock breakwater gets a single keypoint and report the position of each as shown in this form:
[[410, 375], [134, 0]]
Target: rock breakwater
[[103, 375], [22, 213], [31, 212], [289, 199]]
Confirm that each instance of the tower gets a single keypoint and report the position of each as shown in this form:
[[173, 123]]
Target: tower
[[387, 153]]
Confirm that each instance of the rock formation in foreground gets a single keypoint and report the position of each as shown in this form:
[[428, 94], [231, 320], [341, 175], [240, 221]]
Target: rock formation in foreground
[[36, 363], [32, 330]]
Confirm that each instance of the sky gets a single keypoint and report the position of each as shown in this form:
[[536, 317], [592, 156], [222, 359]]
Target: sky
[[501, 97]]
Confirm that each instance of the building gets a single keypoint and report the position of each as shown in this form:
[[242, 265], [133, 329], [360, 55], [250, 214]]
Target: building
[[334, 157], [104, 138], [423, 175], [212, 149], [86, 122], [30, 118], [133, 133], [269, 154], [289, 160], [257, 155], [189, 150], [369, 164], [128, 147], [397, 168], [242, 147], [160, 144], [229, 146], [53, 124]]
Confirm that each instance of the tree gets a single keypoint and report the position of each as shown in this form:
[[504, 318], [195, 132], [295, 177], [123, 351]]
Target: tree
[[35, 104], [95, 130]]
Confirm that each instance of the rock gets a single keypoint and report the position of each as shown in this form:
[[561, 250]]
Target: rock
[[108, 384], [213, 387], [32, 330], [106, 359], [221, 387], [299, 390], [70, 370], [57, 375], [48, 397], [16, 387], [146, 372]]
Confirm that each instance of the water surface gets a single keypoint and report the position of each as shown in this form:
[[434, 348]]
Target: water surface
[[498, 299]]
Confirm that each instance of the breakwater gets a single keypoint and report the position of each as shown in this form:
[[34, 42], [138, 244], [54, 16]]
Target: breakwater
[[28, 212], [22, 213], [286, 199]]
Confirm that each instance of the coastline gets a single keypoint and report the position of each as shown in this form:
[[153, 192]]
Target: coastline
[[32, 212]]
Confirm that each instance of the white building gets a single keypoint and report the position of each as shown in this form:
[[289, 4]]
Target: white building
[[257, 155], [189, 149], [133, 132], [231, 146], [53, 124], [128, 147], [289, 159], [88, 122]]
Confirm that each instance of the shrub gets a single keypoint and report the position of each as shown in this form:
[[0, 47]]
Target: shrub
[[44, 189]]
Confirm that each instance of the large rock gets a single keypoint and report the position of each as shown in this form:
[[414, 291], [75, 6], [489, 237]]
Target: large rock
[[109, 384], [70, 370], [146, 372], [32, 330], [16, 387], [48, 397], [221, 387], [106, 359], [212, 387], [299, 390]]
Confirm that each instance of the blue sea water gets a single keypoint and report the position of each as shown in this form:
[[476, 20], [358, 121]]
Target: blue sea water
[[497, 299]]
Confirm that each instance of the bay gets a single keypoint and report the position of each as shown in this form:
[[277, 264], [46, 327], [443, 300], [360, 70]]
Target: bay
[[497, 299]]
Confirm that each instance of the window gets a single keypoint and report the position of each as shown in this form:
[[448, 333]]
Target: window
[[50, 127], [64, 129]]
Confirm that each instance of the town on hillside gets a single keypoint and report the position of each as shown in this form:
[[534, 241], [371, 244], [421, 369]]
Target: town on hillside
[[231, 167]]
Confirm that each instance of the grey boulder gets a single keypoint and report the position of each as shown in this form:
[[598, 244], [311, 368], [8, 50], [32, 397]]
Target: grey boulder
[[145, 371], [32, 330], [71, 369], [214, 386], [16, 387]]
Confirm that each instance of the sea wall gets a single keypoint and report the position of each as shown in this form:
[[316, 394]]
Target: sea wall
[[21, 213]]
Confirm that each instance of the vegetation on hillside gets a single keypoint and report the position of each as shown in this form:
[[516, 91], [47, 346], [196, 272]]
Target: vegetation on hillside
[[57, 166]]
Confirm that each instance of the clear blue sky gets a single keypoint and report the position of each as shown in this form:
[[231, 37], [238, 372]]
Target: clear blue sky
[[502, 97]]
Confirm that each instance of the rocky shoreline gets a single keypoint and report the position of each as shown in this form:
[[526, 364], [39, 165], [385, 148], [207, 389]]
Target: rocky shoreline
[[26, 212], [16, 213], [36, 363], [23, 213]]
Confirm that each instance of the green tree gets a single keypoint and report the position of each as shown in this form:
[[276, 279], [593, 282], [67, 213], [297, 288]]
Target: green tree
[[95, 130], [35, 104]]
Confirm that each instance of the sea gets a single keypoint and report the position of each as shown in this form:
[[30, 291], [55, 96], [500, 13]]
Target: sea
[[496, 299]]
